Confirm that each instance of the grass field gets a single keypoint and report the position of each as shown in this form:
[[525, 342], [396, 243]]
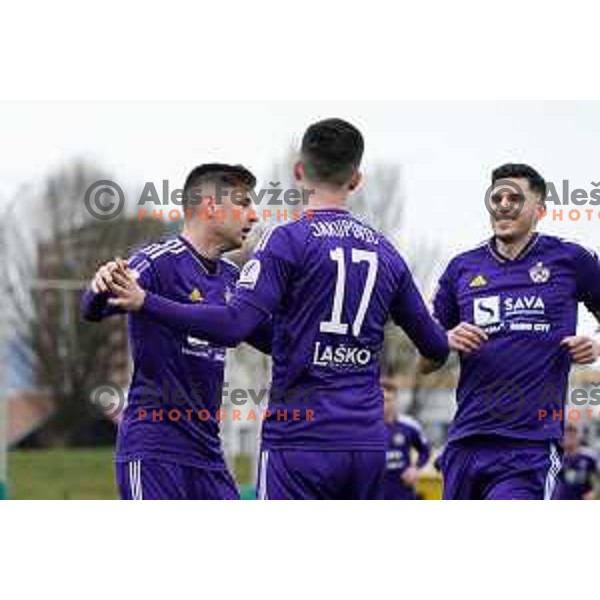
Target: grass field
[[75, 474], [61, 474], [88, 474]]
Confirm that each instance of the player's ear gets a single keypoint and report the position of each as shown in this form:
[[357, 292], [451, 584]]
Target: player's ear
[[355, 181], [209, 205], [541, 211], [299, 171]]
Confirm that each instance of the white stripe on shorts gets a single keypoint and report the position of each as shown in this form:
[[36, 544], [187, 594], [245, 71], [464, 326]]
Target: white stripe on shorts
[[555, 466], [262, 481], [135, 480]]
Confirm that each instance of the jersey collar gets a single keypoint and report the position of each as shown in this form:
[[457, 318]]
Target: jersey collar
[[493, 248], [210, 267]]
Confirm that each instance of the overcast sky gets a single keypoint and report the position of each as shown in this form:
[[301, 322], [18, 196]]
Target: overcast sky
[[445, 150]]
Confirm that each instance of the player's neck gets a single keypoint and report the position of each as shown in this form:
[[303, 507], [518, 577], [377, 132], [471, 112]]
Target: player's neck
[[512, 249], [202, 242], [323, 200]]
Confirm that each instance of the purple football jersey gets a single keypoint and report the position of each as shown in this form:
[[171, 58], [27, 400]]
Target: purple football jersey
[[331, 282], [177, 379], [515, 385]]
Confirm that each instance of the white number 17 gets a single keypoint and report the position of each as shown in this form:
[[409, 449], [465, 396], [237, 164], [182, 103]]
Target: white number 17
[[335, 325]]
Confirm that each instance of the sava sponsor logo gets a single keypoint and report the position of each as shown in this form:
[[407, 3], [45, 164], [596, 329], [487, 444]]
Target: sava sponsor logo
[[528, 305], [326, 355], [488, 310]]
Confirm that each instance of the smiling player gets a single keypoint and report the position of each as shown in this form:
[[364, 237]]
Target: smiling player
[[510, 307]]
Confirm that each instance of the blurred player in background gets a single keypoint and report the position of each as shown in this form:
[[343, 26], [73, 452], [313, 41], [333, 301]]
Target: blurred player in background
[[579, 468], [404, 437], [330, 283], [510, 308], [158, 457]]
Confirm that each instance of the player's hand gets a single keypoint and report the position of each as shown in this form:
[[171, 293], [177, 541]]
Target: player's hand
[[584, 350], [466, 338], [129, 294], [103, 277], [589, 495], [410, 476]]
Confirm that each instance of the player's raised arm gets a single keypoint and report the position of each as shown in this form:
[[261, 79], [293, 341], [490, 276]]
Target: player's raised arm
[[94, 301], [260, 287], [410, 312]]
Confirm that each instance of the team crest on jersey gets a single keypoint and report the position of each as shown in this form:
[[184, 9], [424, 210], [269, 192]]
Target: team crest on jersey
[[196, 295], [479, 281], [398, 439], [539, 273]]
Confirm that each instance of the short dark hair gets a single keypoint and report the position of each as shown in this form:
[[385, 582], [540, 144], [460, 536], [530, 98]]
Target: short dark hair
[[217, 173], [331, 151], [520, 171]]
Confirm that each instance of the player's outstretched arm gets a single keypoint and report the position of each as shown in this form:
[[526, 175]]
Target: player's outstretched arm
[[94, 304], [226, 325], [410, 312]]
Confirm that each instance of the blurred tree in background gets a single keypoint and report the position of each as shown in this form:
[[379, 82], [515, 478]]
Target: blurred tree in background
[[52, 245]]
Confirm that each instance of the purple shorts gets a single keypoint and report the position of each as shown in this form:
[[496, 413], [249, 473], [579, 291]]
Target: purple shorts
[[321, 475], [156, 480], [496, 468]]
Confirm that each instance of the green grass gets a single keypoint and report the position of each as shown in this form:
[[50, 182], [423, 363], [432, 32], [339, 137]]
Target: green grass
[[77, 474], [61, 474]]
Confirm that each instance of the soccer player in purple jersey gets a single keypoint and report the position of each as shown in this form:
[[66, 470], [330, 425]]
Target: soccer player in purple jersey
[[330, 283], [580, 468], [404, 435], [168, 444], [510, 307]]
